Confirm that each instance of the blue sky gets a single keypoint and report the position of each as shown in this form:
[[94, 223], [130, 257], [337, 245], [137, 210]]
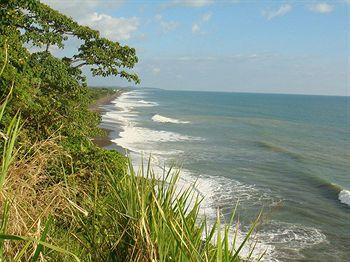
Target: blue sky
[[241, 46]]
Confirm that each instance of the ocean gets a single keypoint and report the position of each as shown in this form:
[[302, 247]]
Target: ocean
[[285, 155]]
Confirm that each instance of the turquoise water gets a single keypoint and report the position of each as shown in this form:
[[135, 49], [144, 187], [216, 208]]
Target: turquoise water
[[288, 155]]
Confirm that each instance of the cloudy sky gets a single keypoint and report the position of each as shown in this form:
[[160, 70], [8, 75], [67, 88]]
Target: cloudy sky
[[233, 45]]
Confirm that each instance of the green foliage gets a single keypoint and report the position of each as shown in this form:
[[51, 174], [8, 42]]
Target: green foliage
[[7, 143], [51, 92], [85, 155], [97, 93]]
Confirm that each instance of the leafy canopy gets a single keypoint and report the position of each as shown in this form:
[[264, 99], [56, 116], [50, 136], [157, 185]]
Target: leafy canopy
[[43, 26], [51, 91]]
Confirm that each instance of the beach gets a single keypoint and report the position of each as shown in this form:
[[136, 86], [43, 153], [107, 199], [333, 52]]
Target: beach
[[100, 106]]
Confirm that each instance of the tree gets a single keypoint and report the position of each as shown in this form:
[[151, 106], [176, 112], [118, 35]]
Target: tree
[[43, 26], [50, 91]]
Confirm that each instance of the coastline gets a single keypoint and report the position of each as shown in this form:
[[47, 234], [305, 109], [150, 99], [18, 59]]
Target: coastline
[[98, 106], [105, 100], [303, 238]]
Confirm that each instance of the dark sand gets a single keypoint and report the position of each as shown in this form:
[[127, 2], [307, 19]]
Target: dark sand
[[104, 140]]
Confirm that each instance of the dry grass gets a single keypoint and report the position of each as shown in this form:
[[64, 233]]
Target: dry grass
[[33, 196]]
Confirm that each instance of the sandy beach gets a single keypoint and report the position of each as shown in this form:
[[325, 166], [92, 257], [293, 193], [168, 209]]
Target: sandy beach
[[104, 140]]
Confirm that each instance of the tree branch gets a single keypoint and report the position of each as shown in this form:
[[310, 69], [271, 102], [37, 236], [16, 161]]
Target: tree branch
[[80, 65], [47, 47]]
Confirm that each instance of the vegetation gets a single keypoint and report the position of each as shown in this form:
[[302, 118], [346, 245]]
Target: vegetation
[[63, 198], [100, 92]]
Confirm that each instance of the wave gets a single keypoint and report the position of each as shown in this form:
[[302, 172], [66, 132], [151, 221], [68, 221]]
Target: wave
[[335, 190], [344, 197], [147, 102], [277, 149], [139, 137], [290, 239], [278, 240], [163, 119], [136, 138], [330, 189], [127, 101]]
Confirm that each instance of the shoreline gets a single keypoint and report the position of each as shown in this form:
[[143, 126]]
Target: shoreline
[[105, 100], [104, 140], [303, 232]]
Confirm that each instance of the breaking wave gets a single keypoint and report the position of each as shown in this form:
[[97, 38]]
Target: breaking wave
[[344, 197], [163, 119]]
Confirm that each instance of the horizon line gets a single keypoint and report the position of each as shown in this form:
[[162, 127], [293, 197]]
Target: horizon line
[[221, 91]]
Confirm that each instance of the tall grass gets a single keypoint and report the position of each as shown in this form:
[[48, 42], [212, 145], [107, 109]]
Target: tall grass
[[9, 136], [142, 218]]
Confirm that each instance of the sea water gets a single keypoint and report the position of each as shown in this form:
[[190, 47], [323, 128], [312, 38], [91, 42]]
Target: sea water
[[285, 155]]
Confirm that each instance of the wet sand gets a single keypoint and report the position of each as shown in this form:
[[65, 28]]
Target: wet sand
[[104, 140]]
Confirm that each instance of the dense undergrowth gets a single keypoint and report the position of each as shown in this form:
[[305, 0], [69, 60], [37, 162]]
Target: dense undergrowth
[[63, 198]]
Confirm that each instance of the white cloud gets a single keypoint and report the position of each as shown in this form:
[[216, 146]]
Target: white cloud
[[195, 28], [322, 8], [166, 26], [281, 11], [79, 8], [85, 12], [191, 3], [114, 28]]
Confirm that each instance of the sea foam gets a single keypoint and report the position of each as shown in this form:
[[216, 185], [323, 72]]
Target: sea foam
[[150, 103], [163, 119], [344, 197], [139, 138], [134, 137]]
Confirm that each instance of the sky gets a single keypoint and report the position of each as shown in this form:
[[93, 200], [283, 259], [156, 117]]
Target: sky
[[296, 47]]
